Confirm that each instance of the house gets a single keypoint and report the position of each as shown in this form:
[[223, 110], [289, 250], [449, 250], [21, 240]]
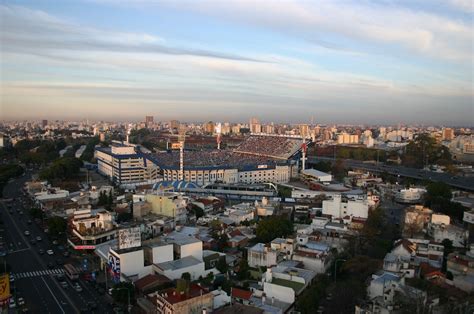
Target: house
[[193, 299], [151, 283], [261, 255], [240, 295]]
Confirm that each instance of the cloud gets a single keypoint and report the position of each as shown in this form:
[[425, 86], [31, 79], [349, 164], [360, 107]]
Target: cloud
[[415, 31], [36, 32]]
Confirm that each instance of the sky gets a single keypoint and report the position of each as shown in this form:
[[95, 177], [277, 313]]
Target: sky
[[373, 62]]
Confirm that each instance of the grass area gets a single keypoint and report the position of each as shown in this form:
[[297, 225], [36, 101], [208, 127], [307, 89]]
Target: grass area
[[296, 286]]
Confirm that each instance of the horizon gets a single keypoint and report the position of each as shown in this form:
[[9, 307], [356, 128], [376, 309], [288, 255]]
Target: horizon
[[372, 63]]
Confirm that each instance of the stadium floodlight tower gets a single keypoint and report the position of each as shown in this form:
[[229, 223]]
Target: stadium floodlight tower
[[219, 133], [304, 134], [181, 138]]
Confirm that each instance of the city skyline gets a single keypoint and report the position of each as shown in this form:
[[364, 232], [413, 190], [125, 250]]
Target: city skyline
[[366, 62]]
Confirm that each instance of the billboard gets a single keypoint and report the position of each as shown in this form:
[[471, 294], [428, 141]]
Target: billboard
[[175, 145], [128, 238], [4, 287], [114, 267]]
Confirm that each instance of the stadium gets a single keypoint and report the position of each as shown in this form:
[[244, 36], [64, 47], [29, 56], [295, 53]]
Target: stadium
[[258, 159]]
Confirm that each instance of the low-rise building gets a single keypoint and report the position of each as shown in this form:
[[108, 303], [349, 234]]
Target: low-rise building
[[336, 208], [262, 255], [194, 299]]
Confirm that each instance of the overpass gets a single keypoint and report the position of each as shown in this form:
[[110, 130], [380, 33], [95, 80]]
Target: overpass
[[459, 182]]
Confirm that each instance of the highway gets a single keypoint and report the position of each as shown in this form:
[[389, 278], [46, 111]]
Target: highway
[[34, 273], [463, 183]]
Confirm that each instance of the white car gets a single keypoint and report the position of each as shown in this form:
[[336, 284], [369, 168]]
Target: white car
[[77, 287], [12, 304], [21, 301], [27, 233], [38, 238], [50, 252]]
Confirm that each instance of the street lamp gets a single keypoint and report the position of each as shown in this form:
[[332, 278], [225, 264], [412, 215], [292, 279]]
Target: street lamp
[[335, 267], [128, 295]]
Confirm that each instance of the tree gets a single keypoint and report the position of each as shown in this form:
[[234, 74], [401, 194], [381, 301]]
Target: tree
[[448, 248], [324, 166], [338, 169], [186, 276], [123, 292], [57, 225], [102, 199], [273, 227], [62, 169], [222, 266], [244, 269]]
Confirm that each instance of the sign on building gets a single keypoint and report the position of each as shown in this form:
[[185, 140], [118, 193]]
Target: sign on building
[[4, 288], [114, 267], [128, 238]]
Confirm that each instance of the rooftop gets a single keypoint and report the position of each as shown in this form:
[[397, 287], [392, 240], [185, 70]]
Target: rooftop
[[184, 262]]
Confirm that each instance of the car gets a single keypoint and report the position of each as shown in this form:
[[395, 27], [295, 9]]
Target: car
[[38, 238], [20, 212], [32, 241], [55, 242], [66, 254], [29, 221], [27, 233], [21, 301], [41, 251], [12, 304], [64, 284], [77, 287], [12, 278], [60, 277], [50, 252]]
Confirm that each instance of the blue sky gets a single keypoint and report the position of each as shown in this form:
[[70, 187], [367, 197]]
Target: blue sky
[[283, 61]]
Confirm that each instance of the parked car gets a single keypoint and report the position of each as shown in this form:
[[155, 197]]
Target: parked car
[[41, 251], [27, 233], [50, 252], [21, 301], [38, 238]]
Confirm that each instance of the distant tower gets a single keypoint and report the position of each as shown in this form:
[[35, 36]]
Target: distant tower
[[304, 130], [181, 138], [128, 133], [219, 134]]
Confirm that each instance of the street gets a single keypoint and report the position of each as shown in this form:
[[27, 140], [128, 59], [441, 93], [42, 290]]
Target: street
[[35, 273]]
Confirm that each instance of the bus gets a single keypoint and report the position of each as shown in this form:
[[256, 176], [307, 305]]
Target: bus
[[71, 272]]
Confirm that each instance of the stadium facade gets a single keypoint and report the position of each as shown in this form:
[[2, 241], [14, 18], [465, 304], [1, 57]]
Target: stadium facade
[[259, 159]]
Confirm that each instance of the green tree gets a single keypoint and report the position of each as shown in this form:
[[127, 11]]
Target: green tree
[[273, 227], [222, 266], [123, 292], [244, 269], [338, 170], [57, 225]]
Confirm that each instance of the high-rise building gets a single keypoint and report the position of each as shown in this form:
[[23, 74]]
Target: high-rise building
[[149, 120], [448, 134], [174, 124], [44, 123], [209, 127], [255, 126]]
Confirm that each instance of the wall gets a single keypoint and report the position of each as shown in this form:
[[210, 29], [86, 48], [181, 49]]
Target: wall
[[162, 253], [280, 293], [192, 249]]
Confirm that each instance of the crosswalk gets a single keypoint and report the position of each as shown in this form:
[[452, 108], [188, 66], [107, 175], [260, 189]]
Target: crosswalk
[[38, 273]]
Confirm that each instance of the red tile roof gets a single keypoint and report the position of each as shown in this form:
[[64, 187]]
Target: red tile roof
[[241, 294]]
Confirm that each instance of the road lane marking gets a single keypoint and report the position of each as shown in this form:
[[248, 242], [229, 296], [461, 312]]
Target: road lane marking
[[57, 302]]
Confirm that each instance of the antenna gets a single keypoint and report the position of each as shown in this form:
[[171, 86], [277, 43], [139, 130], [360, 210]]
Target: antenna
[[181, 138]]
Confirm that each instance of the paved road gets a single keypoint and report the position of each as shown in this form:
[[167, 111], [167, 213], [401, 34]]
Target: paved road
[[464, 183], [34, 273]]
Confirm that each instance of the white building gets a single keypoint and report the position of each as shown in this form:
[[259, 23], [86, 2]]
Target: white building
[[338, 209], [261, 255], [125, 164], [315, 175], [175, 269]]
